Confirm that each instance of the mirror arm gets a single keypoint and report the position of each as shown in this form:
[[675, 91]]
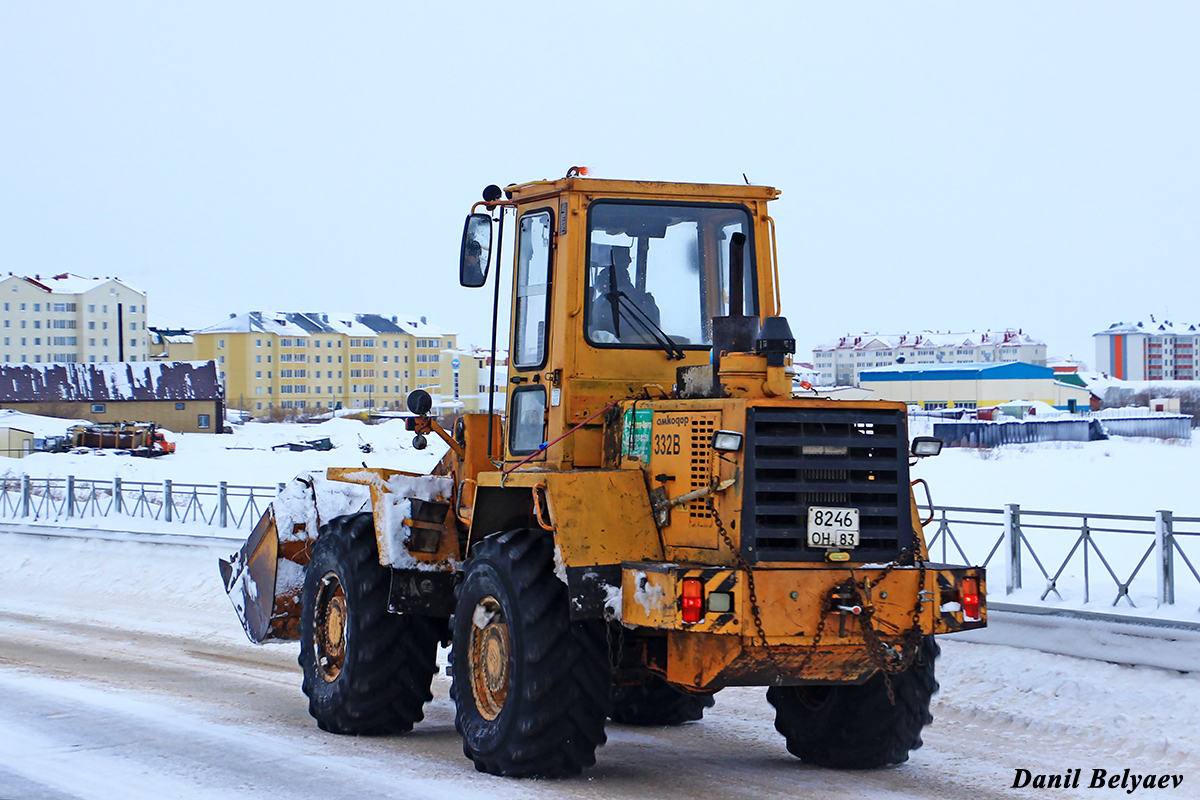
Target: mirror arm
[[489, 206], [448, 439], [491, 389]]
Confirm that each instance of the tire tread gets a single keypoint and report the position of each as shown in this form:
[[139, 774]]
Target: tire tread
[[386, 680], [563, 700], [857, 727]]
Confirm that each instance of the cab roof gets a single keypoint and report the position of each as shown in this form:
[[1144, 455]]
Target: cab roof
[[535, 190]]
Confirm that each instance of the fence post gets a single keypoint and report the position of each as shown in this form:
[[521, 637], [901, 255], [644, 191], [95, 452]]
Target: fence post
[[118, 501], [1012, 547], [70, 496], [168, 505], [1164, 556], [222, 502], [26, 491]]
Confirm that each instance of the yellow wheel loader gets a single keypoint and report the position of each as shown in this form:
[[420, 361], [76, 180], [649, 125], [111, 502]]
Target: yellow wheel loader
[[659, 514]]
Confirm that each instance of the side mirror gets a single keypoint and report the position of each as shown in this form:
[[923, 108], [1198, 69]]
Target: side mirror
[[475, 255]]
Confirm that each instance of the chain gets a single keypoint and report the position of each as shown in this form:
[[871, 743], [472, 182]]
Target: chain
[[881, 654], [614, 655], [826, 607], [755, 612]]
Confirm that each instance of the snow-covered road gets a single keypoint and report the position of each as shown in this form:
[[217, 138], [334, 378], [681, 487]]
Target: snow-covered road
[[124, 673]]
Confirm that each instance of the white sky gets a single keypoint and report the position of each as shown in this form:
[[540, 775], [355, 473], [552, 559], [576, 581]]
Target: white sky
[[944, 165]]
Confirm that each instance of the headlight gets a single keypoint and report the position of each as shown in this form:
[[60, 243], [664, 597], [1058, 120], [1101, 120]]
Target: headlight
[[728, 441], [926, 446]]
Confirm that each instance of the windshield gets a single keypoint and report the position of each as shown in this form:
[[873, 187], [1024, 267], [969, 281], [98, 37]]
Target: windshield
[[661, 271]]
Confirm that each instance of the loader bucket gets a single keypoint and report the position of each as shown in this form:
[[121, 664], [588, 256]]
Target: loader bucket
[[249, 577], [265, 579]]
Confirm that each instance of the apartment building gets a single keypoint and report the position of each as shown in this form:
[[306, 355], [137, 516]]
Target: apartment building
[[294, 360], [67, 318], [840, 362], [468, 390], [1158, 351]]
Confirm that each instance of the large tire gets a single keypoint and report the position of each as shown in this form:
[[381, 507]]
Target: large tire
[[366, 671], [530, 687], [656, 702], [857, 727]]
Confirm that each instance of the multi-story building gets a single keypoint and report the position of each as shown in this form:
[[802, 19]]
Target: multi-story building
[[292, 360], [68, 318], [1160, 351], [840, 362], [467, 388]]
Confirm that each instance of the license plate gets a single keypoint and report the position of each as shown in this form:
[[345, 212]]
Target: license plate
[[833, 528]]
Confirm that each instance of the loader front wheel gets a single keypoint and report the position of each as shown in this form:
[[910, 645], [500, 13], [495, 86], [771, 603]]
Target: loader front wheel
[[656, 702], [530, 686], [366, 670], [858, 727]]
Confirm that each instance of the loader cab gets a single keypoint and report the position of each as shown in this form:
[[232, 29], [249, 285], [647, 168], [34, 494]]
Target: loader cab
[[615, 286]]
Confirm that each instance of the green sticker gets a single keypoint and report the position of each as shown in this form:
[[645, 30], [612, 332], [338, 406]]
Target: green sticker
[[635, 443]]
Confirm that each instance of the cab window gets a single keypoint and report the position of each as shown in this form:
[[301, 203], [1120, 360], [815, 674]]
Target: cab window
[[532, 291]]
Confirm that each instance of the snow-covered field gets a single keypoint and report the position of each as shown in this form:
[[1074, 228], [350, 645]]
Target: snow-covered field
[[1118, 476]]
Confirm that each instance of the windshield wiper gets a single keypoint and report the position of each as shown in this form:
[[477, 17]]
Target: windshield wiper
[[640, 317], [613, 297]]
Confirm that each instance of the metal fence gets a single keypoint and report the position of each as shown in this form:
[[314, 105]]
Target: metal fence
[[221, 505], [994, 434], [1052, 552], [1157, 426], [1057, 552]]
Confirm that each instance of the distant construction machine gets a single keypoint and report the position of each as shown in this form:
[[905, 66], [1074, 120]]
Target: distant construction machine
[[139, 438]]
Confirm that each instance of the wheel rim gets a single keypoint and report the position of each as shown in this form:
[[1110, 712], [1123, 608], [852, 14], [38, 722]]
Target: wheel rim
[[330, 633], [491, 657]]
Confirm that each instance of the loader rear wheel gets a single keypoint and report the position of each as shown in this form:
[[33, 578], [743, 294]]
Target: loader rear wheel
[[857, 727], [530, 686], [656, 702], [366, 670]]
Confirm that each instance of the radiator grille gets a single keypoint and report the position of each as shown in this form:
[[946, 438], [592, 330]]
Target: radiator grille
[[801, 457]]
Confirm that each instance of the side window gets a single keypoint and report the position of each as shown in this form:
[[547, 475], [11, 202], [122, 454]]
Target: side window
[[202, 421], [533, 291], [527, 420]]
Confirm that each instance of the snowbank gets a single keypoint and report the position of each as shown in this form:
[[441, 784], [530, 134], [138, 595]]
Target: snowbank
[[243, 458]]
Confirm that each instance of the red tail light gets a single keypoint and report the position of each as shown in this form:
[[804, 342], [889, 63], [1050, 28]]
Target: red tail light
[[969, 592], [693, 600]]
